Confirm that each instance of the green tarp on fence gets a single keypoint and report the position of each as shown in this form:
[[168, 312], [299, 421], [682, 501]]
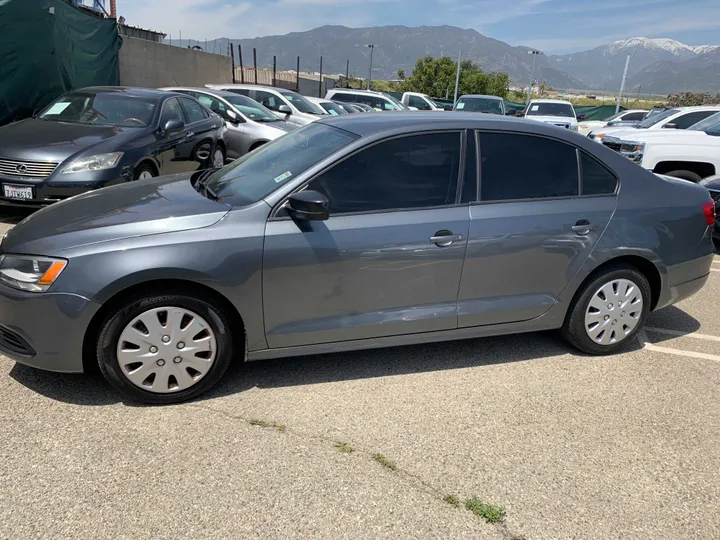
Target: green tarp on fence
[[47, 47]]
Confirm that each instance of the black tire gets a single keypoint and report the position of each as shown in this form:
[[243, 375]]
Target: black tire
[[220, 148], [573, 330], [144, 168], [116, 322], [685, 175]]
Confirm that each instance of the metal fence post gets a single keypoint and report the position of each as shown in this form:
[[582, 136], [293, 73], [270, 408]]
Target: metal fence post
[[274, 69], [297, 80], [232, 60], [242, 69]]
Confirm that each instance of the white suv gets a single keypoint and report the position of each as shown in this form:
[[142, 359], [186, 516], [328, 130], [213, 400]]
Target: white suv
[[552, 111], [285, 104], [691, 154], [676, 118], [379, 101]]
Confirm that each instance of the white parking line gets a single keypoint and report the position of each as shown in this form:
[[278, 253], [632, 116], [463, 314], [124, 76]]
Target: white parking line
[[678, 333], [642, 337]]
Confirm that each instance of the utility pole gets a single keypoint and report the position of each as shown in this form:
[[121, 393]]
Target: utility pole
[[347, 74], [274, 70], [297, 80], [622, 84], [232, 60], [372, 49], [320, 85], [457, 77], [638, 94], [532, 74]]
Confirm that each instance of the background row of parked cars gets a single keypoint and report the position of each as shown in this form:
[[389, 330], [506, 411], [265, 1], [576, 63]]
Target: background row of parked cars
[[95, 137]]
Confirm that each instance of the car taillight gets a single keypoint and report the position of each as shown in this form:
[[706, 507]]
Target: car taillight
[[708, 209]]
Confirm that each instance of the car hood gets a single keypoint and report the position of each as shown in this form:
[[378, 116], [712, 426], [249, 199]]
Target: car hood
[[43, 140], [553, 119], [161, 205], [669, 136]]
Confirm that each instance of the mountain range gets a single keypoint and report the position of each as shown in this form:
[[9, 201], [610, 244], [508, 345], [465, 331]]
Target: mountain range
[[657, 65]]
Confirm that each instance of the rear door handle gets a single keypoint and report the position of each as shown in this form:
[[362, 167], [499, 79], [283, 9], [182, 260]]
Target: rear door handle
[[445, 238], [583, 227]]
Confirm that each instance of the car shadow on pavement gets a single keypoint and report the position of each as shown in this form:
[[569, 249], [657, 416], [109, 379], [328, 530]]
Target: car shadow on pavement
[[91, 389], [10, 216]]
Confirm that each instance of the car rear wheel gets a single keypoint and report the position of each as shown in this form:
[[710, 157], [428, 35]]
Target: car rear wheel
[[218, 158], [685, 175], [145, 172], [609, 311], [165, 348]]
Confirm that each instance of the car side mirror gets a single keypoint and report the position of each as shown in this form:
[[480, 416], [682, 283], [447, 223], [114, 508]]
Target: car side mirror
[[173, 126], [234, 117], [580, 117], [284, 109], [511, 112], [308, 206], [670, 125], [520, 114]]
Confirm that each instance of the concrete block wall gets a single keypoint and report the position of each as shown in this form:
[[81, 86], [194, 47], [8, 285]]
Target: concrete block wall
[[152, 65]]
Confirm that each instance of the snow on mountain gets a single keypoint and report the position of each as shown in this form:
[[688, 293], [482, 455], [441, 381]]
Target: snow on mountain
[[670, 45], [704, 49]]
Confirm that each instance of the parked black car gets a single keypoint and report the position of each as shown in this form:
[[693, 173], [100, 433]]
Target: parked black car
[[96, 137]]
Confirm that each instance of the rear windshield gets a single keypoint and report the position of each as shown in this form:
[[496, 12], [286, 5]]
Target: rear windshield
[[550, 109], [257, 174], [478, 104]]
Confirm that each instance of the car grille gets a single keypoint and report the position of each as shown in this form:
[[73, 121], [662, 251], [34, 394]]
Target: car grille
[[26, 169], [12, 343], [612, 145], [566, 126], [715, 195]]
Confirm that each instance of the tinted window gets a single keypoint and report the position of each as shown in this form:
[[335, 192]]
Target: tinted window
[[687, 120], [345, 98], [241, 91], [653, 119], [550, 109], [171, 111], [482, 105], [597, 180], [411, 172], [634, 116], [419, 103], [526, 167], [257, 174], [194, 111]]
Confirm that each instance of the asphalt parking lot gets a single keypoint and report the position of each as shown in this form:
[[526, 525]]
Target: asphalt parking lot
[[570, 446]]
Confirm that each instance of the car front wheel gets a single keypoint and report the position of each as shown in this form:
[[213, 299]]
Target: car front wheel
[[165, 348], [609, 311]]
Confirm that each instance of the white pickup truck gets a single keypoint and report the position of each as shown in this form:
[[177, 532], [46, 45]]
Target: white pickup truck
[[419, 102], [691, 154]]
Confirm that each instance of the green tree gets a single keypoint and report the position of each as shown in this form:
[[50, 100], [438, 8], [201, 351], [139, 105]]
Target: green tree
[[436, 77], [401, 74]]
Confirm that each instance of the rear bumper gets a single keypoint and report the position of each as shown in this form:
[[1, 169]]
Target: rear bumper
[[44, 330], [685, 279]]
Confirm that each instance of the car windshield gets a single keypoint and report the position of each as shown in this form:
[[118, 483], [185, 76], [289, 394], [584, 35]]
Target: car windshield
[[101, 108], [550, 109], [477, 104], [710, 125], [399, 106], [332, 108], [259, 173], [251, 108], [301, 104], [655, 118]]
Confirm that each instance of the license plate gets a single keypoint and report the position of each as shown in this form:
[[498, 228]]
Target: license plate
[[23, 193]]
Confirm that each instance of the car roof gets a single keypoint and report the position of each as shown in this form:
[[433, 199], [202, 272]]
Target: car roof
[[550, 101], [399, 121], [129, 90], [354, 91], [250, 87], [213, 91], [481, 96], [697, 108]]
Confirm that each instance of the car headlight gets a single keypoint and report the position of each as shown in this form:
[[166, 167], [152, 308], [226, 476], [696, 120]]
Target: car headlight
[[94, 163], [633, 150], [30, 273], [599, 136], [574, 127]]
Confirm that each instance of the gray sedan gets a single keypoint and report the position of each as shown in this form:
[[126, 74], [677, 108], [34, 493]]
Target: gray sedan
[[249, 124], [354, 232]]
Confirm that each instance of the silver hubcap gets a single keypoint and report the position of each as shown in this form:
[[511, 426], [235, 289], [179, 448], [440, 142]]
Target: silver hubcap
[[218, 159], [145, 175], [166, 349], [614, 311]]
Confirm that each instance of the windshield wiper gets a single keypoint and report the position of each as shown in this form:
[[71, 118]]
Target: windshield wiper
[[201, 184]]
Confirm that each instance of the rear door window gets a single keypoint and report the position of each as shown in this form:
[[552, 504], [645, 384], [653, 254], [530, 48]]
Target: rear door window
[[687, 120], [596, 179], [194, 111], [519, 166]]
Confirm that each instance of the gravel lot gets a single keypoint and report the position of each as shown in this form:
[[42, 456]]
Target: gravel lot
[[571, 446]]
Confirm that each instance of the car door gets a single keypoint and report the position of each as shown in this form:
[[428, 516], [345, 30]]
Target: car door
[[200, 134], [235, 137], [533, 228], [172, 146], [389, 258]]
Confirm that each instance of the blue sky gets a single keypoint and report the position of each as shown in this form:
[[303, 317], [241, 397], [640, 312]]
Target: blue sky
[[553, 26]]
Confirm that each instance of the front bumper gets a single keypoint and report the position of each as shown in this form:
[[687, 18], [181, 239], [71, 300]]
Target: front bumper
[[55, 188], [44, 330]]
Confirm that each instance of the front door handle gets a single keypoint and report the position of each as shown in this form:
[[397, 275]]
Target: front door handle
[[583, 227], [445, 238], [189, 134]]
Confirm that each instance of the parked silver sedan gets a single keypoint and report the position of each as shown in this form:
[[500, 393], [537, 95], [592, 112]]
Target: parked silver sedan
[[249, 124]]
